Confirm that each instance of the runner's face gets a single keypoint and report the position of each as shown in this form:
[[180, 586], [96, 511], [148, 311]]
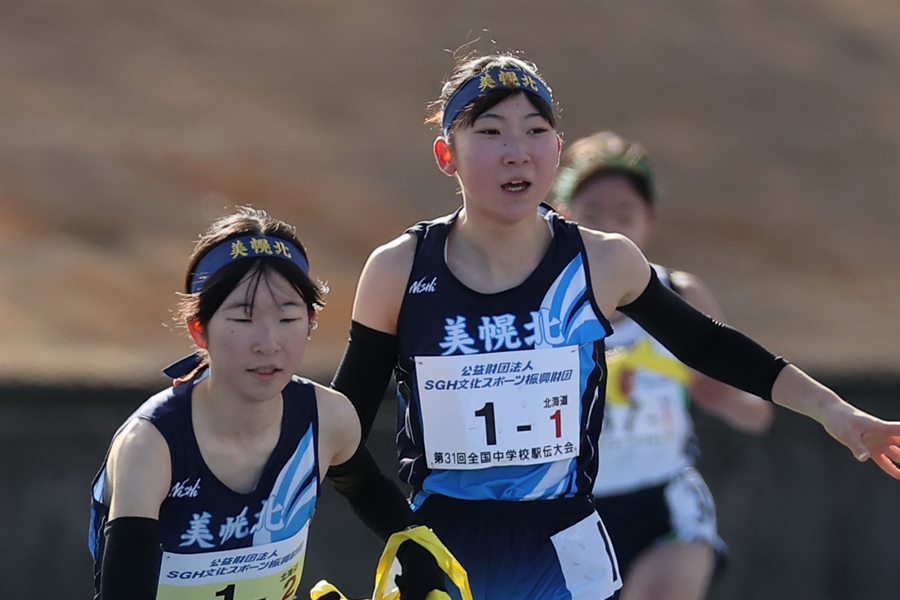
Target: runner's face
[[256, 353], [611, 204], [507, 159]]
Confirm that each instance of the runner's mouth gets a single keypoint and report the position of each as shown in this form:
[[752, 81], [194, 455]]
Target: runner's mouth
[[516, 186], [264, 370]]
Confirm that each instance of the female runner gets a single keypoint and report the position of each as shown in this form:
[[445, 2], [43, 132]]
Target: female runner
[[222, 472], [659, 513], [494, 319]]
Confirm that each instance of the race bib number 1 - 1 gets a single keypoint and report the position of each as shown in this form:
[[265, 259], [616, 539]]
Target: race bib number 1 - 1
[[500, 408]]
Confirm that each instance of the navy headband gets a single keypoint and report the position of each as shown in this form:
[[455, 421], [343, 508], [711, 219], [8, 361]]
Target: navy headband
[[492, 79], [251, 246]]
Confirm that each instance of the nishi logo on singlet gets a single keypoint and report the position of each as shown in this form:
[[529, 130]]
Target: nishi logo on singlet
[[182, 489], [423, 286]]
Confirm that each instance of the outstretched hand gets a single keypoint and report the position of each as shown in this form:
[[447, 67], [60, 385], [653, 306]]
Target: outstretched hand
[[868, 437], [883, 447]]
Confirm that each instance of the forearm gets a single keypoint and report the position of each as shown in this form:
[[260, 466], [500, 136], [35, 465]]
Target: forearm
[[374, 498], [802, 394], [745, 412], [864, 435]]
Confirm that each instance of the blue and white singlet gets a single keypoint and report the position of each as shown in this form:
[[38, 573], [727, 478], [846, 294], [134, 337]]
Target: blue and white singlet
[[501, 395], [217, 542]]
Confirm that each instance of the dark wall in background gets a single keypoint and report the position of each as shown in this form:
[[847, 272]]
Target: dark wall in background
[[802, 518]]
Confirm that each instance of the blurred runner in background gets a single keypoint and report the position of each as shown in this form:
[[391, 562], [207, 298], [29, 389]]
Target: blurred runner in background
[[656, 506]]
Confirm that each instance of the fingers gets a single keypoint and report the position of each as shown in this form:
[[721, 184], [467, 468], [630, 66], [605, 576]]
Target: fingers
[[887, 465], [875, 442], [884, 448], [893, 453]]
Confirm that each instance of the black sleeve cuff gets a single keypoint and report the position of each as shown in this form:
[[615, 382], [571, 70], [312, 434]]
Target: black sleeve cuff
[[701, 342]]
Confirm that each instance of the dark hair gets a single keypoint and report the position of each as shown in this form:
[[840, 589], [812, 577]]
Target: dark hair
[[604, 154], [475, 64], [202, 306]]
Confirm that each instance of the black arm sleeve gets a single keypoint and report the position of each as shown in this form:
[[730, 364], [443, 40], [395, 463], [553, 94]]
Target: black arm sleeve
[[363, 376], [380, 505], [131, 559], [374, 498], [697, 340], [365, 371]]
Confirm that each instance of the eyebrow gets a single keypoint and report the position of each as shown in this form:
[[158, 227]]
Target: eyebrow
[[291, 303], [491, 115], [245, 306], [239, 304]]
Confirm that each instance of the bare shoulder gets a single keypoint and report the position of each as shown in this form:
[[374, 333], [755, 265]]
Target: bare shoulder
[[331, 402], [383, 282], [609, 250], [619, 271], [396, 255], [138, 470], [696, 293], [339, 429]]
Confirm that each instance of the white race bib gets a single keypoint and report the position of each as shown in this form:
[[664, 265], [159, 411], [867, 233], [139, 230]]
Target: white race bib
[[267, 572], [501, 408]]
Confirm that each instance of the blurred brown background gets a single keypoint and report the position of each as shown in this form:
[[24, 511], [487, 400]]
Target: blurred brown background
[[126, 127]]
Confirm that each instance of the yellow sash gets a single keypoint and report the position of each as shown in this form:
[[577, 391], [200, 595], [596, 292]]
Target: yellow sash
[[428, 540]]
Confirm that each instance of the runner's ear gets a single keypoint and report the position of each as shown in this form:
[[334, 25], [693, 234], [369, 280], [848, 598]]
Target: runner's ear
[[196, 331], [444, 156]]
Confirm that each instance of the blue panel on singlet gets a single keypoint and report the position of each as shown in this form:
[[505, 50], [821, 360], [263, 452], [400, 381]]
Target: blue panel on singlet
[[553, 307], [202, 514]]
